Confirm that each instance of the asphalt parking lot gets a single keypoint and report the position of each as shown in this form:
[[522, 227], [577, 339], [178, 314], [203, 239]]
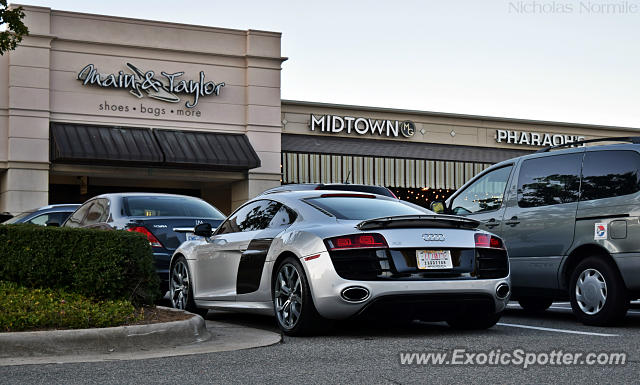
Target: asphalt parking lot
[[359, 353]]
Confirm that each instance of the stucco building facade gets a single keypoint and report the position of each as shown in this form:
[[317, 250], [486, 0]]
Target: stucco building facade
[[92, 104]]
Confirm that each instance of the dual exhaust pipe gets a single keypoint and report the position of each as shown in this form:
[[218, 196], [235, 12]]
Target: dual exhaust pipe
[[502, 291], [357, 294]]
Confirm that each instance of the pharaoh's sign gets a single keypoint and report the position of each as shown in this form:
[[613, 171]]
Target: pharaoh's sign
[[537, 139]]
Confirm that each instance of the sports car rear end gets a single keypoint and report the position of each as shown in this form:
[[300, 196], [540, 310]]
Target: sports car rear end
[[430, 267]]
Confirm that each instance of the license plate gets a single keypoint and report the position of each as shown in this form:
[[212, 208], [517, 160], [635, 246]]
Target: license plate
[[193, 237], [434, 259]]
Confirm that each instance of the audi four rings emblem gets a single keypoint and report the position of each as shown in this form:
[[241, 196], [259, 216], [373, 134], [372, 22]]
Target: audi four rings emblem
[[433, 237]]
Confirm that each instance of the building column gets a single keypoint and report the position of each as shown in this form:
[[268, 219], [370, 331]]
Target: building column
[[22, 189], [253, 186], [263, 110], [25, 184]]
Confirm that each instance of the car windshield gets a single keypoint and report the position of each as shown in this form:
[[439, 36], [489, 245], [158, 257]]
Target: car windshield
[[17, 218], [361, 208], [169, 206]]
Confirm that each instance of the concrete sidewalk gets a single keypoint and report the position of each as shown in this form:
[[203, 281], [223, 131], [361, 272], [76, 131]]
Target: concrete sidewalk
[[191, 336]]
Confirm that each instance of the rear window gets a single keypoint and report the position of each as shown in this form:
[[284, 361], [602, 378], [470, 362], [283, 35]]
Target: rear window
[[364, 208], [163, 206]]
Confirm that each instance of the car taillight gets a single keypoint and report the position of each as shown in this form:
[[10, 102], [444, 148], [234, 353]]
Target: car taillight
[[153, 241], [392, 194], [488, 241], [356, 241]]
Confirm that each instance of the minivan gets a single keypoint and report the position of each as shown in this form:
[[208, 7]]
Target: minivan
[[570, 221]]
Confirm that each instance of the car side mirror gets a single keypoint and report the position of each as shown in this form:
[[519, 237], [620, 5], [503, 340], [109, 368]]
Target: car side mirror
[[438, 207], [203, 230], [52, 224]]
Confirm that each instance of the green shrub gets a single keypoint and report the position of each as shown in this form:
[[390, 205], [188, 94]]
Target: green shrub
[[24, 309], [94, 263]]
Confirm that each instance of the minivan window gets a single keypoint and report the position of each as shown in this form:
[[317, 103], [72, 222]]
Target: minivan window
[[485, 194], [549, 180], [607, 174]]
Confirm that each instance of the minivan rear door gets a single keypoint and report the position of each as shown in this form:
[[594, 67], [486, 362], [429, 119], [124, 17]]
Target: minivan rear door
[[539, 221]]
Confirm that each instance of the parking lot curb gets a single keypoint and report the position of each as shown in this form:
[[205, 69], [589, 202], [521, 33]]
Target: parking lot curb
[[176, 338], [103, 340]]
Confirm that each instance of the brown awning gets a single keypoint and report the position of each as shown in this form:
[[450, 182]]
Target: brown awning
[[132, 146], [395, 149], [207, 150], [79, 143]]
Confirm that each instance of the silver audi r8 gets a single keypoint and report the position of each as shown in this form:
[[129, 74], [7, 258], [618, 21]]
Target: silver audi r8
[[308, 257]]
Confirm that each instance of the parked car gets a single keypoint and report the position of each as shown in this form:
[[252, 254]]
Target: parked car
[[165, 219], [570, 221], [365, 188], [51, 215], [316, 255]]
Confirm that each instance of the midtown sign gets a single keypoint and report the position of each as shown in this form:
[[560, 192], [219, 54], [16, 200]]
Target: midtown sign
[[140, 82], [362, 126]]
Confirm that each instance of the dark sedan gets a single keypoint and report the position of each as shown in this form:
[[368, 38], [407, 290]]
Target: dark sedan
[[162, 218]]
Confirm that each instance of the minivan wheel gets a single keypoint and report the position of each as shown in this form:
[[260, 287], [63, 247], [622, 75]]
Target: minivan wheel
[[535, 304], [475, 321], [597, 292], [295, 311], [181, 288]]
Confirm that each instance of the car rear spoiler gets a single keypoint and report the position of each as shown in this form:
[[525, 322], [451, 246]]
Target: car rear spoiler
[[412, 221]]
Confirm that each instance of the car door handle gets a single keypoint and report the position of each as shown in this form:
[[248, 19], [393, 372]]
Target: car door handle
[[491, 223], [219, 241], [513, 221]]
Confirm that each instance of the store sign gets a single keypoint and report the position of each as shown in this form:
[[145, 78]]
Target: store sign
[[534, 138], [362, 126], [140, 82]]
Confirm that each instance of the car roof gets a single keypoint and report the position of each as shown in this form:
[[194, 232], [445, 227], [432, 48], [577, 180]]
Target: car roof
[[569, 150], [58, 206], [302, 194], [353, 187], [131, 194]]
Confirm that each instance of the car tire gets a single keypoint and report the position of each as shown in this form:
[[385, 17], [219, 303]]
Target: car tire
[[598, 294], [181, 288], [535, 305], [475, 321], [295, 311]]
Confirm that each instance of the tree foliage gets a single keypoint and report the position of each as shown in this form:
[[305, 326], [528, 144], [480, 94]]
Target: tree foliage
[[14, 28]]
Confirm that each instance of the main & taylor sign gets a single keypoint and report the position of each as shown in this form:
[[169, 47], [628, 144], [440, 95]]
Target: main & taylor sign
[[164, 87]]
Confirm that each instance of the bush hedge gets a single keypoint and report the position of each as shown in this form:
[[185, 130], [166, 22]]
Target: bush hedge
[[100, 264], [28, 309]]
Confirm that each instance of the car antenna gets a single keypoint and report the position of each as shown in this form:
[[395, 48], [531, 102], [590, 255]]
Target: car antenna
[[346, 181]]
